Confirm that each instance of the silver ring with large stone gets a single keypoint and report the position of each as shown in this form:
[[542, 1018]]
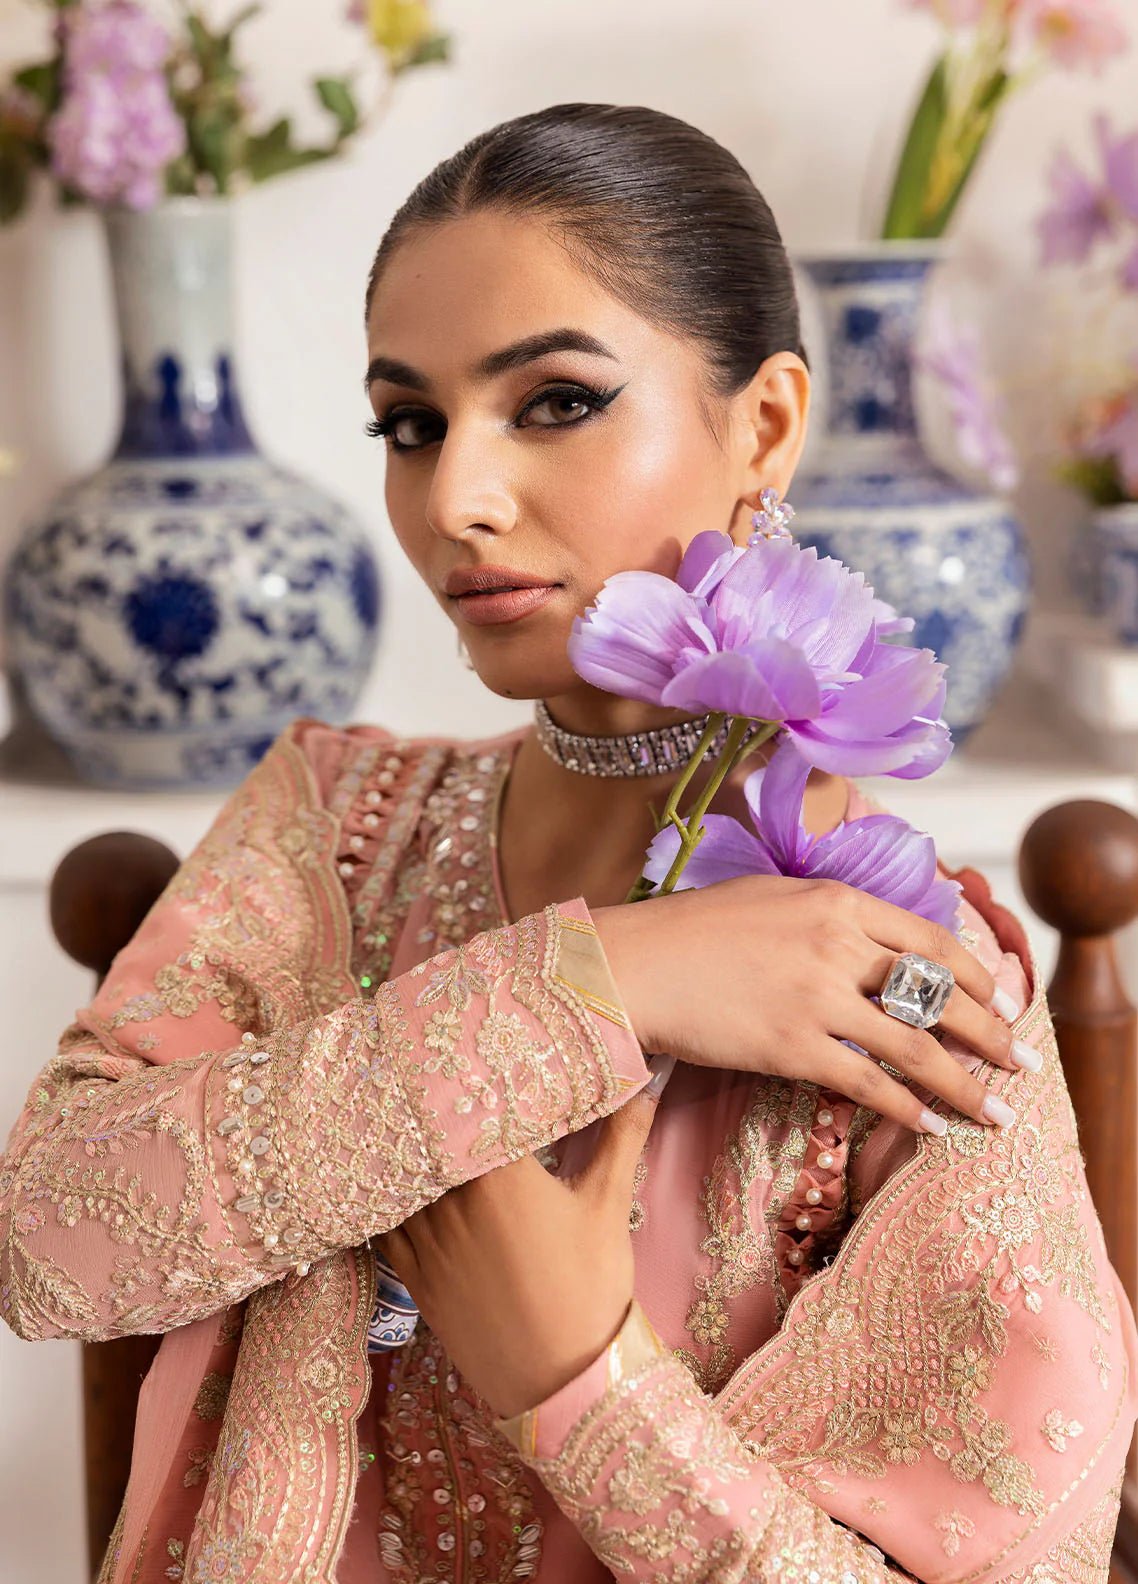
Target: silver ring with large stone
[[916, 990]]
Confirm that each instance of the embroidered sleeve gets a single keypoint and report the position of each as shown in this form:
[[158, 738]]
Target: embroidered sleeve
[[661, 1487], [229, 1106]]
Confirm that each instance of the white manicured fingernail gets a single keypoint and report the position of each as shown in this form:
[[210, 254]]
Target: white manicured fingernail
[[933, 1123], [1025, 1055], [661, 1071], [1005, 1005], [997, 1111]]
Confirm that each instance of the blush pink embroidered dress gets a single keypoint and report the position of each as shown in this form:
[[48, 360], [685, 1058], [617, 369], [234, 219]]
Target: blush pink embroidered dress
[[854, 1354]]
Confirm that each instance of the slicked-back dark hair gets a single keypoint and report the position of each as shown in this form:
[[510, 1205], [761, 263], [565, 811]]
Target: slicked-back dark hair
[[656, 211]]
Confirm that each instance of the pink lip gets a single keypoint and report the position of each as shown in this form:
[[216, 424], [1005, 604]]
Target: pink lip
[[507, 605]]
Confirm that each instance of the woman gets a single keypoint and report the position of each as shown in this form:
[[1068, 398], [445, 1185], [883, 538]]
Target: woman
[[363, 1019]]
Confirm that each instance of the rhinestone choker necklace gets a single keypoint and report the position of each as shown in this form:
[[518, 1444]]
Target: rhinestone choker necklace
[[659, 751]]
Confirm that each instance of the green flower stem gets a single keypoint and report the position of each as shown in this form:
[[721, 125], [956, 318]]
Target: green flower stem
[[691, 830], [714, 722]]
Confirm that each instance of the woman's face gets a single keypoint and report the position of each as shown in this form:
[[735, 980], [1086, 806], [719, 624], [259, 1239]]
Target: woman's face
[[557, 466]]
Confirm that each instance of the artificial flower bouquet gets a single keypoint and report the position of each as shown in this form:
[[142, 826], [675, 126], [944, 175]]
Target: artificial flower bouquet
[[125, 111], [1091, 223], [779, 646], [992, 48]]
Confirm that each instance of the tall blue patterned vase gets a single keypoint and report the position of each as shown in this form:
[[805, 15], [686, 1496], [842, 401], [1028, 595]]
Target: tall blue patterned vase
[[170, 614], [952, 558]]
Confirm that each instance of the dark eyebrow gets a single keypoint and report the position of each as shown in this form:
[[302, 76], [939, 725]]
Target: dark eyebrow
[[525, 351]]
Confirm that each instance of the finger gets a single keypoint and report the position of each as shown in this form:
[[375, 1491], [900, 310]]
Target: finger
[[613, 1165], [864, 1081], [902, 931], [398, 1250], [919, 1056], [966, 1019]]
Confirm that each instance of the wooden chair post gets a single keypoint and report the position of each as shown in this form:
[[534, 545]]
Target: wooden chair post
[[100, 892], [1078, 866]]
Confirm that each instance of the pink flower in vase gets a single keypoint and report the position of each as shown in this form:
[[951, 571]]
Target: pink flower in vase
[[954, 14], [116, 129], [1074, 34]]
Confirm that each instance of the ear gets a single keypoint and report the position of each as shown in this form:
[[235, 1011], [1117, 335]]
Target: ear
[[770, 419]]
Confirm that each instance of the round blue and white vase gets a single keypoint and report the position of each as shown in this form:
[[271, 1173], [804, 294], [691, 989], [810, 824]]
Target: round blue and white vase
[[170, 614], [951, 557], [1115, 530]]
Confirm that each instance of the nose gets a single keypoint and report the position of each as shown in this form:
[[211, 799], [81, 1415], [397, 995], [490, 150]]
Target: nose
[[469, 494]]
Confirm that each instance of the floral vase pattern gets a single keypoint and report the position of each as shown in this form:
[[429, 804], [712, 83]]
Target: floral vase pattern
[[949, 556], [171, 613], [1114, 534]]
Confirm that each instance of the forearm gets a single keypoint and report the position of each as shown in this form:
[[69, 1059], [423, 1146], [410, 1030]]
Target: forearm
[[139, 1198], [659, 1485]]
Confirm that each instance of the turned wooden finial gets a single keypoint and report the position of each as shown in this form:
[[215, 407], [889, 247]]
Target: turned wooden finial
[[102, 890], [1078, 867]]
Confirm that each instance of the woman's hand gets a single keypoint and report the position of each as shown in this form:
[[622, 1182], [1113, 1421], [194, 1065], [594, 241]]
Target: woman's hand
[[525, 1278], [769, 974]]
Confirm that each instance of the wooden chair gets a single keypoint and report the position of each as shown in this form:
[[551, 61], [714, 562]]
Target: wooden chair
[[1078, 867]]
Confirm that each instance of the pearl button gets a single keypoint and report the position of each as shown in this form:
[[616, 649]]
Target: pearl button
[[270, 1240], [796, 1256], [236, 1083], [373, 798], [813, 1196], [355, 842], [825, 1160], [371, 821], [347, 870], [826, 1118], [803, 1223]]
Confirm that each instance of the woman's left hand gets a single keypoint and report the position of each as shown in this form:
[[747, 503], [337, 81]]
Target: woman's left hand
[[525, 1278]]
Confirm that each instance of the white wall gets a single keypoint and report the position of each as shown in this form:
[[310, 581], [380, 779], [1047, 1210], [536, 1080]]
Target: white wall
[[810, 95]]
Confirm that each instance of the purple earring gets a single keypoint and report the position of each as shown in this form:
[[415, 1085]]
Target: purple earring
[[770, 521]]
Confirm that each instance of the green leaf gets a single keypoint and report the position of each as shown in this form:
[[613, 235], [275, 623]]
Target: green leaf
[[983, 115], [336, 96], [243, 16], [201, 39], [1098, 478], [906, 201], [15, 174], [427, 52], [44, 80], [272, 153]]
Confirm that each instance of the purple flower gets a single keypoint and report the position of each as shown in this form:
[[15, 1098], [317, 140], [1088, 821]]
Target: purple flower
[[771, 633], [116, 129], [952, 355], [1087, 210], [879, 853], [115, 39]]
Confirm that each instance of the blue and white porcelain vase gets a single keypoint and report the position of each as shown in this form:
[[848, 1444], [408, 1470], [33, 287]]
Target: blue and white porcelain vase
[[170, 614], [1114, 530], [949, 556]]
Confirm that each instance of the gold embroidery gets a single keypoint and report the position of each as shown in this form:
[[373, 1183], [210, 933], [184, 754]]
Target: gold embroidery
[[213, 1394], [1083, 1555], [455, 1492], [633, 1456], [741, 1247], [1059, 1430]]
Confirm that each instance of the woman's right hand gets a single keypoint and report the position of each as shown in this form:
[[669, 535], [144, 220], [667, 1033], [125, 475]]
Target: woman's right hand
[[769, 974]]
